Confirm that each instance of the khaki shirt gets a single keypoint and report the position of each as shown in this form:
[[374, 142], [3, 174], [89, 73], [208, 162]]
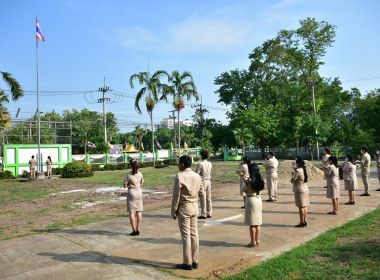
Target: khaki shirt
[[243, 171], [299, 178], [271, 166], [204, 170], [187, 189], [378, 163], [133, 180], [247, 188], [332, 174], [365, 162], [32, 163], [48, 162], [349, 171]]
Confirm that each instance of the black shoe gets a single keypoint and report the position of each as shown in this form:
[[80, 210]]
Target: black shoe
[[195, 265], [325, 187], [202, 217], [300, 225], [185, 266], [137, 233], [305, 224], [365, 194], [350, 203], [270, 200], [242, 207], [378, 190], [133, 233], [209, 216]]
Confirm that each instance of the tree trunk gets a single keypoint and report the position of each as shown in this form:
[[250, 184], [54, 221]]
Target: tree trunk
[[85, 146], [151, 123], [179, 136], [243, 153]]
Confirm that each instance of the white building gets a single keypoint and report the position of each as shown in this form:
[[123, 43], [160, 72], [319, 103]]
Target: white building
[[169, 123]]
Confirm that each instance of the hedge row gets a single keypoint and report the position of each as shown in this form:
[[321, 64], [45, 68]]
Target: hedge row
[[122, 166], [6, 175], [77, 169]]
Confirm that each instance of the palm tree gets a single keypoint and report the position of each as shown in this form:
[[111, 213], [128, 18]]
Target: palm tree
[[153, 87], [182, 85], [242, 135], [139, 133], [15, 87]]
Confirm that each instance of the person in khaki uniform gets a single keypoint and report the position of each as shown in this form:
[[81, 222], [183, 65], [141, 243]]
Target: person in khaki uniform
[[32, 167], [244, 175], [204, 170], [325, 158], [271, 165], [365, 162], [187, 189], [377, 158], [349, 177], [333, 185], [301, 190]]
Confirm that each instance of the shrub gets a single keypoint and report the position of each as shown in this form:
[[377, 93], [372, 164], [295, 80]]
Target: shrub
[[6, 174], [25, 174], [77, 169], [170, 161], [57, 171]]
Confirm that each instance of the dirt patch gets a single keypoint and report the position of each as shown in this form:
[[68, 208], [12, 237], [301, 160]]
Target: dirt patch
[[285, 172]]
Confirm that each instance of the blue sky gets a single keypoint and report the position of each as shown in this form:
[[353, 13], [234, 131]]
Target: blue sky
[[89, 40]]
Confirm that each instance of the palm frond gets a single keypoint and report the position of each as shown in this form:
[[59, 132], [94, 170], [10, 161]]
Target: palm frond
[[138, 97], [15, 87]]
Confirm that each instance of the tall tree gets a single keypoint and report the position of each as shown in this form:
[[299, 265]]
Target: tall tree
[[151, 90], [139, 133], [181, 86], [243, 135]]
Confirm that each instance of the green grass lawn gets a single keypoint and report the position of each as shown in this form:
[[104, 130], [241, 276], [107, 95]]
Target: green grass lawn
[[351, 251]]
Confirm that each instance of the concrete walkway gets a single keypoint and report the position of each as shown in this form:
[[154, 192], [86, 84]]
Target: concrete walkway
[[104, 250]]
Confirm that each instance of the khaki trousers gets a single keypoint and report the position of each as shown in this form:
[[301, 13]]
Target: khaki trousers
[[188, 226], [365, 179], [206, 206], [272, 185], [32, 172], [378, 174]]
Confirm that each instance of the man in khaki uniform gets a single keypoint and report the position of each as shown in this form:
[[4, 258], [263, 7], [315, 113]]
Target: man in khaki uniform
[[377, 158], [187, 189], [271, 164], [32, 167], [204, 170], [365, 162]]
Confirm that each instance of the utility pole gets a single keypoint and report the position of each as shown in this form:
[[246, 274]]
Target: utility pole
[[311, 84], [104, 100], [201, 110], [173, 118]]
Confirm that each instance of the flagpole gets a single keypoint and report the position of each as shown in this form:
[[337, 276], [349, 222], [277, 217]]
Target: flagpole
[[39, 163]]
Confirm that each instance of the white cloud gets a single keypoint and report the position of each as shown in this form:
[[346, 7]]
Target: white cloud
[[136, 37]]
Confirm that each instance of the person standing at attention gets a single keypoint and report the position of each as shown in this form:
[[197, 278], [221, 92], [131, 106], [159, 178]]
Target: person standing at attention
[[134, 181], [49, 166], [187, 189], [365, 162], [244, 175], [333, 185], [32, 167], [377, 158], [253, 210], [300, 189], [271, 164], [325, 158], [349, 177], [204, 170]]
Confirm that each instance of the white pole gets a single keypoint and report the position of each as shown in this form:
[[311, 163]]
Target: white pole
[[39, 160]]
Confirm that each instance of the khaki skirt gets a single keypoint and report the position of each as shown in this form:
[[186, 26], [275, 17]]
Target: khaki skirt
[[350, 185], [253, 211], [333, 191], [134, 200], [301, 198]]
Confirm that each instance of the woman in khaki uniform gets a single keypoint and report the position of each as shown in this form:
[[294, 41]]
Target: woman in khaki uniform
[[253, 209], [377, 158], [325, 158], [244, 175], [49, 166], [134, 181], [333, 185], [300, 189], [349, 177]]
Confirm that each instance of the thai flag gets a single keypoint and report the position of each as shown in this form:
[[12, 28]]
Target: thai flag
[[39, 35], [158, 145], [91, 145]]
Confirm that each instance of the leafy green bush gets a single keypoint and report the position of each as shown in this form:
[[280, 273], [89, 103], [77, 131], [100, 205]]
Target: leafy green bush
[[170, 161], [77, 169], [25, 174], [96, 167], [57, 171], [6, 175]]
